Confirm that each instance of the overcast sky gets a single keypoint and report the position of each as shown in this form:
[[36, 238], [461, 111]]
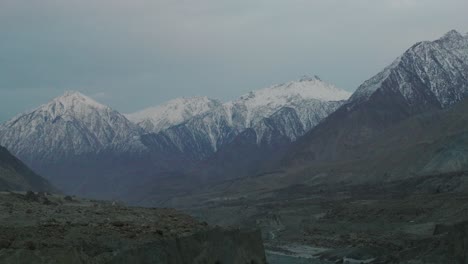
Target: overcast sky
[[131, 54]]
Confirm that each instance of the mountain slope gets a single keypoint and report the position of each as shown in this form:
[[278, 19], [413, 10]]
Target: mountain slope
[[427, 77], [430, 143], [16, 176], [437, 144]]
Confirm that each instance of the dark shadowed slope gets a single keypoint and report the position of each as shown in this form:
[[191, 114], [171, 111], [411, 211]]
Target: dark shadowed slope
[[425, 144], [15, 175]]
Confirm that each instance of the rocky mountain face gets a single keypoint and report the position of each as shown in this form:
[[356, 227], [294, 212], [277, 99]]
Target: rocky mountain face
[[16, 176], [427, 77]]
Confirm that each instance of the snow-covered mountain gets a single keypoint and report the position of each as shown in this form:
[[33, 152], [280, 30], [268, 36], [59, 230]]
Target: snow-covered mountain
[[309, 98], [430, 72], [70, 125], [172, 113], [259, 104]]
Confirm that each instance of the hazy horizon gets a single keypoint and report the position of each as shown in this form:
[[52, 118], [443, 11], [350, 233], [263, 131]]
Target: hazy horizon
[[140, 54]]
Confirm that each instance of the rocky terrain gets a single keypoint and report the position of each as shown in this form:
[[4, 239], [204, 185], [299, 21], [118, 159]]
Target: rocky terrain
[[44, 228], [422, 220]]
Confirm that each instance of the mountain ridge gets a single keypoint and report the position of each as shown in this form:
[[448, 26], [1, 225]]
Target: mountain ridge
[[206, 133], [171, 113]]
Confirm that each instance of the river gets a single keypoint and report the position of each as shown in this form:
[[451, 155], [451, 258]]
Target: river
[[277, 258]]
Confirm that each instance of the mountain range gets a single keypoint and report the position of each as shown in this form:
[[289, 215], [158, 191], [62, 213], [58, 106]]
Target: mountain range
[[88, 148], [407, 120], [200, 136]]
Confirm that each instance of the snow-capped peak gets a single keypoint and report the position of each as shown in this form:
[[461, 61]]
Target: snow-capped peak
[[264, 102], [452, 35], [71, 124], [71, 104], [171, 113], [453, 40], [308, 78], [72, 98], [305, 88]]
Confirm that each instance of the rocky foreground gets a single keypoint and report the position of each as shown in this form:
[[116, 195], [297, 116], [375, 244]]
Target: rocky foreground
[[42, 228]]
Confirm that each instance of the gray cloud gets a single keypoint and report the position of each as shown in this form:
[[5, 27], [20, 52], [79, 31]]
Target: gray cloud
[[134, 54]]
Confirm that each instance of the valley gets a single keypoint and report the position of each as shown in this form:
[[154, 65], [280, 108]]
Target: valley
[[303, 171], [400, 222]]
